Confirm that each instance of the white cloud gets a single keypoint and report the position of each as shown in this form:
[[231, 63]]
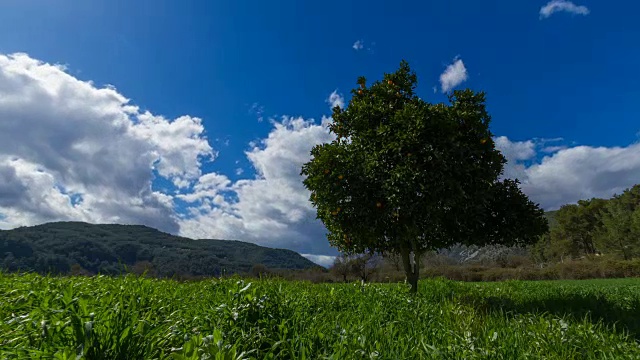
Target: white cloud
[[571, 173], [71, 151], [562, 5], [272, 209], [515, 152], [208, 186], [257, 110], [322, 260], [361, 45], [454, 75], [553, 149], [63, 139], [336, 99], [180, 145], [519, 150]]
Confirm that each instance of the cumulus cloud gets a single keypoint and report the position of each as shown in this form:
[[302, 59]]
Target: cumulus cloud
[[11, 187], [454, 75], [582, 172], [553, 149], [322, 260], [555, 6], [273, 209], [336, 99], [516, 152], [569, 174], [208, 186], [71, 150], [358, 45]]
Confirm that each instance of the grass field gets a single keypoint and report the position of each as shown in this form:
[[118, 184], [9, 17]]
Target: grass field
[[137, 318]]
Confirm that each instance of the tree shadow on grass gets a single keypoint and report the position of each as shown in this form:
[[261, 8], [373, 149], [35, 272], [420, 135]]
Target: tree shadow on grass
[[624, 316]]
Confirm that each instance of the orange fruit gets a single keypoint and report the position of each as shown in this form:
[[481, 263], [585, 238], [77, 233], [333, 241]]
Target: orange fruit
[[390, 82], [379, 204], [340, 177], [483, 141], [326, 171], [359, 91]]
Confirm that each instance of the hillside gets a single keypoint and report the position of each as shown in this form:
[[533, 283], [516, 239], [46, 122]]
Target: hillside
[[56, 247]]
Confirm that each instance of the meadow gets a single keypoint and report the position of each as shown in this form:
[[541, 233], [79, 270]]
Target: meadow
[[131, 317]]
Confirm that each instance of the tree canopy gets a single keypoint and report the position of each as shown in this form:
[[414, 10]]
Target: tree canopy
[[407, 176], [609, 227]]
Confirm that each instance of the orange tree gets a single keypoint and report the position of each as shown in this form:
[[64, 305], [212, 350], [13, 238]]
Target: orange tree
[[406, 176]]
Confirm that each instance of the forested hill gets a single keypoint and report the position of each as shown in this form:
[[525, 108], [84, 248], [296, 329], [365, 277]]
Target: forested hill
[[64, 247]]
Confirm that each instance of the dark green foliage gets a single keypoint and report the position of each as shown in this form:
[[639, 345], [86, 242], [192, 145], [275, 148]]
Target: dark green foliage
[[578, 225], [608, 227], [620, 233], [407, 176], [108, 249]]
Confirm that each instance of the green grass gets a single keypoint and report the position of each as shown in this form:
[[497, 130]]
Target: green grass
[[137, 318]]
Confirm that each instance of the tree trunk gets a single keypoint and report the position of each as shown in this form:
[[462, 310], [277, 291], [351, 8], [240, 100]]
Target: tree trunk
[[411, 268]]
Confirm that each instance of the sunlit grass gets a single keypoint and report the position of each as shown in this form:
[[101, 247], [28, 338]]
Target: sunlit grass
[[137, 318]]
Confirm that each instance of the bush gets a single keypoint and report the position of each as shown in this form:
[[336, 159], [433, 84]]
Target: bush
[[498, 274], [517, 268], [518, 261], [520, 268], [259, 270]]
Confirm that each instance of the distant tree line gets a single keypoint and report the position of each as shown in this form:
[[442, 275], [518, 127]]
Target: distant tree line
[[595, 227], [590, 239]]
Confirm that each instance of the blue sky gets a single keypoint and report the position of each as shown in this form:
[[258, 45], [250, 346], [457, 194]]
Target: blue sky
[[550, 69]]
